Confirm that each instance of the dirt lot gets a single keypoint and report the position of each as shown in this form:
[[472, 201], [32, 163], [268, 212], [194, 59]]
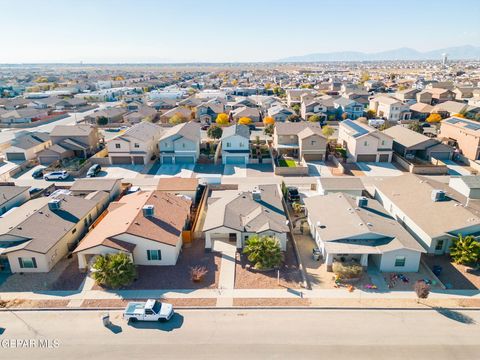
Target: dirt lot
[[454, 276], [178, 276], [25, 304], [290, 274], [103, 303], [64, 276], [270, 302]]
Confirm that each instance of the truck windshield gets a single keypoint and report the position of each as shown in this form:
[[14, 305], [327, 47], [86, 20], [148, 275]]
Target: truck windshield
[[156, 307]]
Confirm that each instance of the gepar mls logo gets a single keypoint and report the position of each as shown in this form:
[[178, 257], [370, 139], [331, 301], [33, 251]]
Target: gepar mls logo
[[29, 343]]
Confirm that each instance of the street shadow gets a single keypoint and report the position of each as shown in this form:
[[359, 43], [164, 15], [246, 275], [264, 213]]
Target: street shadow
[[116, 329], [174, 323], [455, 315]]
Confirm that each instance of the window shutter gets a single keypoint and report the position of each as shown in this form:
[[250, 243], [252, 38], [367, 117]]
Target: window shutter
[[159, 254], [148, 255], [34, 262], [20, 262]]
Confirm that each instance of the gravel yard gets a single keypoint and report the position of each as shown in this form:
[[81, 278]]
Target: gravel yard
[[290, 274], [453, 276], [39, 304], [271, 302], [115, 303], [178, 276]]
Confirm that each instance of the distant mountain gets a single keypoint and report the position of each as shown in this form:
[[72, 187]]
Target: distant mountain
[[467, 52]]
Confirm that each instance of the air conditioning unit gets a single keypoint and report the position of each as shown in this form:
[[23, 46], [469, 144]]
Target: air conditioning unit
[[438, 195], [362, 201], [148, 210], [55, 204]]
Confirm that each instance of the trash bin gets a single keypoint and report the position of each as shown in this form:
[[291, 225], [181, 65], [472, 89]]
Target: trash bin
[[106, 319], [316, 254], [437, 270]]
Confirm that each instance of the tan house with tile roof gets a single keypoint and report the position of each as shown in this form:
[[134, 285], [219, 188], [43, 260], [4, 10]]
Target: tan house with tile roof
[[147, 225]]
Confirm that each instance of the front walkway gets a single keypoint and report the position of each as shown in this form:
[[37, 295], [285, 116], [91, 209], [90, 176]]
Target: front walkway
[[226, 282]]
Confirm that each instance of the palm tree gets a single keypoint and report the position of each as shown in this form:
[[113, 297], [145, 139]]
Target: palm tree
[[263, 252], [114, 270], [465, 250]]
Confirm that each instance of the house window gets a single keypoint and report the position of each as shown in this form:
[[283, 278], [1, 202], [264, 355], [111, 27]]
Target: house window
[[154, 255], [240, 145], [313, 143], [183, 145], [365, 143], [228, 144], [117, 146], [74, 231], [400, 261], [383, 142], [439, 246], [27, 263], [136, 145]]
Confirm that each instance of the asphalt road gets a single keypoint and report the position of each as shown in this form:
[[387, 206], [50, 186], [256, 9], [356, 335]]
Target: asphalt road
[[247, 334]]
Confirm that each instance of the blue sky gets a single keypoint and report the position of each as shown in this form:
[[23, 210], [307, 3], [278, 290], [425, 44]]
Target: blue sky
[[228, 30]]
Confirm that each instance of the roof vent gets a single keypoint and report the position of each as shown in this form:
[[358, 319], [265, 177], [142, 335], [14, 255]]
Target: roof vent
[[148, 210], [256, 194], [362, 201], [438, 195], [55, 204]]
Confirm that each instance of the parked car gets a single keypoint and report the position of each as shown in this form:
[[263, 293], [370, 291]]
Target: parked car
[[426, 125], [252, 127], [38, 173], [151, 310], [205, 127], [293, 194], [34, 190], [56, 175], [94, 170]]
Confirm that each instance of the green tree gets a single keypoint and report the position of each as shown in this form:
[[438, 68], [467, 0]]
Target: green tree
[[328, 131], [114, 270], [176, 119], [293, 118], [268, 129], [296, 108], [465, 250], [415, 126], [371, 114], [102, 120], [263, 252], [314, 118], [214, 132]]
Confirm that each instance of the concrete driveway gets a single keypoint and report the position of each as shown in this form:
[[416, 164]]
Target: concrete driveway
[[179, 170], [318, 168], [379, 169], [120, 171]]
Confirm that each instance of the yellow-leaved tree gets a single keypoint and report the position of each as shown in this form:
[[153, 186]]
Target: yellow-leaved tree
[[245, 121], [268, 120], [434, 118], [222, 119]]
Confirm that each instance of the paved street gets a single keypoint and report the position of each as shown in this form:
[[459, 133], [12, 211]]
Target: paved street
[[252, 334]]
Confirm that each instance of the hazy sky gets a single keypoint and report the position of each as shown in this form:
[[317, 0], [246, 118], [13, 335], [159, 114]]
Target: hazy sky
[[226, 30]]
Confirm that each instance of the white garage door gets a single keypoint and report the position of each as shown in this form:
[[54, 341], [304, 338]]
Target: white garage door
[[184, 160], [235, 160]]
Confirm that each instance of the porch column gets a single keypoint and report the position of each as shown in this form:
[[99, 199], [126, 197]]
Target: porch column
[[82, 263], [208, 241], [329, 262], [239, 240], [364, 261]]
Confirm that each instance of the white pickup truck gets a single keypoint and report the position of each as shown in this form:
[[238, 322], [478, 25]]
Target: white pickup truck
[[151, 310]]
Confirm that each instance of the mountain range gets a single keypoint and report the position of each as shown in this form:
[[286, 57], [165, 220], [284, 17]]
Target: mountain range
[[467, 52]]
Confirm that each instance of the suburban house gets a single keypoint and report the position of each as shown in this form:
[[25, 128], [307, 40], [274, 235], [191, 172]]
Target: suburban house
[[463, 134], [431, 216], [313, 107], [146, 225], [207, 112], [138, 145], [300, 140], [180, 111], [279, 113], [294, 95], [364, 143], [352, 108], [421, 111], [234, 215], [344, 184], [27, 146], [180, 144], [235, 145], [389, 108], [407, 96], [179, 186], [411, 144], [467, 185], [463, 93], [43, 231], [12, 196], [22, 116], [141, 113], [357, 229], [85, 186], [107, 116], [440, 95], [450, 108], [252, 113]]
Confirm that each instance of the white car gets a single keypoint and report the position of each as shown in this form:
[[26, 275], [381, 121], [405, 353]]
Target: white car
[[56, 175], [151, 310]]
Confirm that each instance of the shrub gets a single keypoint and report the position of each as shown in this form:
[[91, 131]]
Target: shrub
[[347, 271], [422, 289], [114, 270], [263, 252], [197, 273], [465, 250]]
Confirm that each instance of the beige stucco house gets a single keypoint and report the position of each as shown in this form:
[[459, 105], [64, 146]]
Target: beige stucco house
[[463, 134]]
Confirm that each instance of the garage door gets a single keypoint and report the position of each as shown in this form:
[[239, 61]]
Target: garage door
[[238, 160], [367, 158], [313, 157], [167, 160], [138, 160], [383, 158], [121, 160], [184, 160], [15, 156], [441, 155]]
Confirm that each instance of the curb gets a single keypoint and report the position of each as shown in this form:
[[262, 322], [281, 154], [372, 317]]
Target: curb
[[224, 308]]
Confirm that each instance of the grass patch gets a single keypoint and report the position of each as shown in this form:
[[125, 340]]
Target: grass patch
[[287, 163]]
